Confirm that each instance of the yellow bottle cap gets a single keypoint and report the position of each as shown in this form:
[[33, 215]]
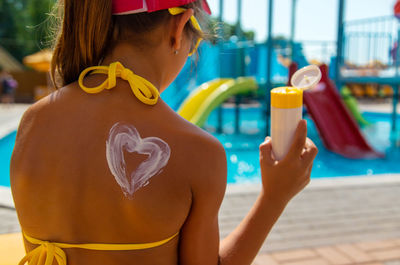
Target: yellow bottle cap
[[286, 97]]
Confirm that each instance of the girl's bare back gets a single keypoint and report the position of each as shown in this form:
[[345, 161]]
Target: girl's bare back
[[63, 181]]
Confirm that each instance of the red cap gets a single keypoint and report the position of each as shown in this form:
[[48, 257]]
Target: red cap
[[122, 7]]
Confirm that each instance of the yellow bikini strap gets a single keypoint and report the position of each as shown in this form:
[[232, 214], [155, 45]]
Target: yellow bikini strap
[[145, 91], [45, 253]]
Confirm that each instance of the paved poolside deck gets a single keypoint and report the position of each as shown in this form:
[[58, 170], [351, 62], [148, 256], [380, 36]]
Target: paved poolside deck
[[327, 212], [10, 115], [333, 221]]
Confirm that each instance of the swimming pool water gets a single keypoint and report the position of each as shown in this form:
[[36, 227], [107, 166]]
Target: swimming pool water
[[243, 157], [242, 149], [6, 147]]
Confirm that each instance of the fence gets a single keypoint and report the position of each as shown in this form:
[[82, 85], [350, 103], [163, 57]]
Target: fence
[[371, 43]]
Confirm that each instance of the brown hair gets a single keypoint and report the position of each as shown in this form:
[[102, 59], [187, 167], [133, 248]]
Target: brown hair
[[87, 31]]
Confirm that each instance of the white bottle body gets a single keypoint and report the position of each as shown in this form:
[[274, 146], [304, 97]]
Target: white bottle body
[[284, 123]]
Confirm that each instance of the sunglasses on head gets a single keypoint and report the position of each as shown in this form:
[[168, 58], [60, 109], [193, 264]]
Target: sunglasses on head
[[195, 23]]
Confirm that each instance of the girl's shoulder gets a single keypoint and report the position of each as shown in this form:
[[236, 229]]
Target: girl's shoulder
[[191, 135], [201, 154]]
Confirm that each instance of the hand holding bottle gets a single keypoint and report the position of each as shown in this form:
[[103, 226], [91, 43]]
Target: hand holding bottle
[[282, 180]]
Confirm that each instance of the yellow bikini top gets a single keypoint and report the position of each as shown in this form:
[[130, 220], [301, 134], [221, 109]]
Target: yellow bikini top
[[46, 252], [145, 91]]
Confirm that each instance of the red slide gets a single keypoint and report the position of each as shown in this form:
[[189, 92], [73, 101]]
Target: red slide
[[338, 130]]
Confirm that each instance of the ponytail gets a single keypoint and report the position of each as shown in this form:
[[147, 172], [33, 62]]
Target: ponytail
[[84, 34]]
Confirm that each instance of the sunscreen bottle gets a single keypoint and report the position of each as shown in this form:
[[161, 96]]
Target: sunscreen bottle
[[287, 109]]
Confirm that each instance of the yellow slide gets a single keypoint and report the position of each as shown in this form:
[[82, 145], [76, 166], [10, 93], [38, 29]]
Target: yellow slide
[[209, 96], [196, 98]]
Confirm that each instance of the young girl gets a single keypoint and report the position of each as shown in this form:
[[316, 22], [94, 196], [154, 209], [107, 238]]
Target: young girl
[[104, 172]]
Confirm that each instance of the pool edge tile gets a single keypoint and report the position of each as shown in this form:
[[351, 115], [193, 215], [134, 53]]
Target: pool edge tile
[[6, 199], [331, 182]]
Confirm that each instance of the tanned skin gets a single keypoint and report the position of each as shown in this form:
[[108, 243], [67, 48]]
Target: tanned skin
[[65, 192]]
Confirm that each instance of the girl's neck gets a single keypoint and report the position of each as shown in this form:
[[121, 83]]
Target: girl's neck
[[147, 64]]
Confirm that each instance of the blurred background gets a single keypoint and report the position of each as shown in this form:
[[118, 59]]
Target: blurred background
[[351, 206]]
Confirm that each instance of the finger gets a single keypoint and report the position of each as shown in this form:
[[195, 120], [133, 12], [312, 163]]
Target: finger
[[299, 141], [266, 151], [310, 152], [309, 145], [308, 171]]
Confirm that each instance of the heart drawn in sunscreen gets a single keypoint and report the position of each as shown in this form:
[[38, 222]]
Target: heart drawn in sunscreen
[[126, 137]]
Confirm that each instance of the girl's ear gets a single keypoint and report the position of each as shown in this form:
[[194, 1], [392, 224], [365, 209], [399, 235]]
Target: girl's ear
[[178, 27]]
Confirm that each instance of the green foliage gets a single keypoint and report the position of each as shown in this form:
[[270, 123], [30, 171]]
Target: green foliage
[[23, 27]]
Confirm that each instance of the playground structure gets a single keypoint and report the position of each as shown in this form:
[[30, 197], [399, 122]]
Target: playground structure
[[367, 54], [265, 62], [198, 106], [352, 105]]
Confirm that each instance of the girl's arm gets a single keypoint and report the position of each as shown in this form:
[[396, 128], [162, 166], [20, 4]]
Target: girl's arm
[[281, 181]]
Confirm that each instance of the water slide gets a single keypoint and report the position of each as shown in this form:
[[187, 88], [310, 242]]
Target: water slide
[[352, 106], [202, 101], [337, 128], [193, 102]]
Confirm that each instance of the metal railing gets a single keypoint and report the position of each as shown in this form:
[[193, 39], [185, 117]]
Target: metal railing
[[371, 43]]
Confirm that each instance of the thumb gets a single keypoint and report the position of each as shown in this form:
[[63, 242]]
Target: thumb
[[266, 151]]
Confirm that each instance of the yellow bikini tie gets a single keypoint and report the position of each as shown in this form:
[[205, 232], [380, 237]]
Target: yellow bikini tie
[[145, 91], [46, 252]]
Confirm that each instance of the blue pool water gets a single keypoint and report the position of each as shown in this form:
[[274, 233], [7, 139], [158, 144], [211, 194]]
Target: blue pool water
[[243, 157], [242, 149], [6, 147]]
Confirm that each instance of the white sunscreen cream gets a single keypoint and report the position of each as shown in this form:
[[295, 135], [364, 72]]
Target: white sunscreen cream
[[126, 137], [287, 109]]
